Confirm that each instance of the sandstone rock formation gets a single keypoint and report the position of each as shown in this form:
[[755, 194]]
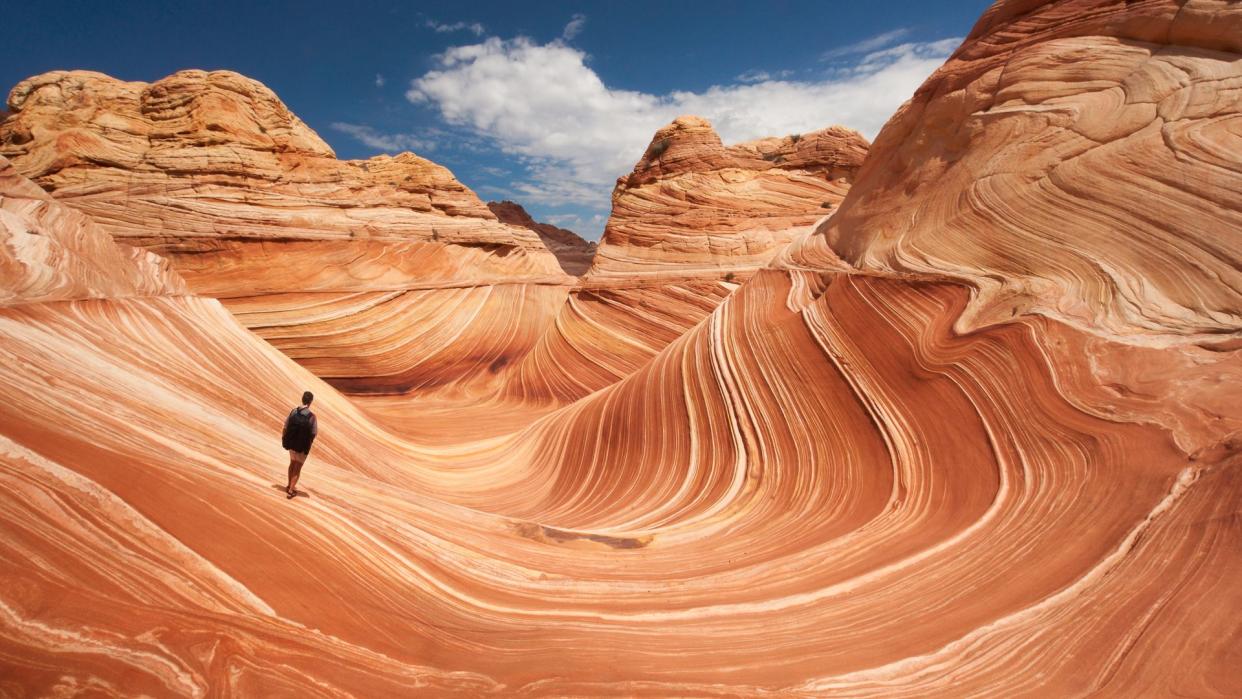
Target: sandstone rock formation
[[692, 205], [50, 252], [571, 250], [839, 483], [1072, 159], [211, 170], [692, 221], [379, 274]]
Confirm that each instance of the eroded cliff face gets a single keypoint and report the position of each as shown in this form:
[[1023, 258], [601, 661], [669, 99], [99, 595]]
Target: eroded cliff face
[[574, 253], [211, 170], [693, 221], [837, 483], [694, 207], [1073, 159], [322, 257]]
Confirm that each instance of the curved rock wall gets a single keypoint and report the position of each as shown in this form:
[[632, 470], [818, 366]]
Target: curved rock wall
[[1074, 159], [50, 252], [212, 171], [837, 483]]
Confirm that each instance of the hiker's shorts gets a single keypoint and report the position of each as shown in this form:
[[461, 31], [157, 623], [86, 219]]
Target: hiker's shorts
[[297, 456]]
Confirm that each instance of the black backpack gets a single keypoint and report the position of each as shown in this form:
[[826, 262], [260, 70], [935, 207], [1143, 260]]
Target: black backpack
[[297, 434]]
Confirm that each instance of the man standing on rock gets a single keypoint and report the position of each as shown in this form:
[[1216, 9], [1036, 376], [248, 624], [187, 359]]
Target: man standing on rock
[[301, 428]]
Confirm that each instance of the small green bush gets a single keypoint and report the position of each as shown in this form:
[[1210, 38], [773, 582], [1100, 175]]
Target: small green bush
[[657, 149]]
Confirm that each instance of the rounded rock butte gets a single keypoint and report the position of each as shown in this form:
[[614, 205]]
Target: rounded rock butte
[[974, 434]]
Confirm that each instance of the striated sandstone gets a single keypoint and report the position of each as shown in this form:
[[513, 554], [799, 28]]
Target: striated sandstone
[[825, 487], [693, 206], [1075, 159], [50, 252], [213, 171], [691, 222], [571, 250], [919, 554]]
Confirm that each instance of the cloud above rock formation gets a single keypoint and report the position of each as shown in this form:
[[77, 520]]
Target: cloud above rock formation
[[868, 45], [392, 142], [543, 104]]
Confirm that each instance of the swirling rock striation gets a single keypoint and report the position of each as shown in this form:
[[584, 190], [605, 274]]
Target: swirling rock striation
[[838, 483], [691, 222], [212, 171], [1074, 159], [50, 252]]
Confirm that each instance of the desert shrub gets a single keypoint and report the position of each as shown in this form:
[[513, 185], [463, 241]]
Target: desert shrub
[[657, 149], [795, 137]]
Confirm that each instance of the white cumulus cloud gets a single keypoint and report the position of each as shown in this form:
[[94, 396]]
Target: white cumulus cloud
[[543, 104]]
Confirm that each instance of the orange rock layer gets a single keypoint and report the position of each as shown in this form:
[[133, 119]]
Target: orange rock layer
[[689, 224], [694, 206], [837, 483], [1073, 159], [213, 171], [335, 261], [50, 252]]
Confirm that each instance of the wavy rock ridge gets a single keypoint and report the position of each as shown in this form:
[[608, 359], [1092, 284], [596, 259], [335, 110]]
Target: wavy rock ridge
[[691, 222], [212, 171], [1104, 195], [839, 483]]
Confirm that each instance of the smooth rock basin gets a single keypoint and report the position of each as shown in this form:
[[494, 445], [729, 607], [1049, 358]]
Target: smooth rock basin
[[973, 431]]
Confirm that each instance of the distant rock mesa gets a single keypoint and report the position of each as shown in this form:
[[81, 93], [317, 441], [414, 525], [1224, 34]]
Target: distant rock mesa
[[571, 250], [693, 206]]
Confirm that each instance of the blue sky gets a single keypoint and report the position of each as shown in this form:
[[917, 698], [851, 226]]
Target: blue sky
[[545, 103]]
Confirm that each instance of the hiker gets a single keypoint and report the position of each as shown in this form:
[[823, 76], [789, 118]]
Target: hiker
[[301, 428]]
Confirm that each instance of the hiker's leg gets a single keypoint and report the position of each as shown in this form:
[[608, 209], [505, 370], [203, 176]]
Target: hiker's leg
[[295, 470]]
